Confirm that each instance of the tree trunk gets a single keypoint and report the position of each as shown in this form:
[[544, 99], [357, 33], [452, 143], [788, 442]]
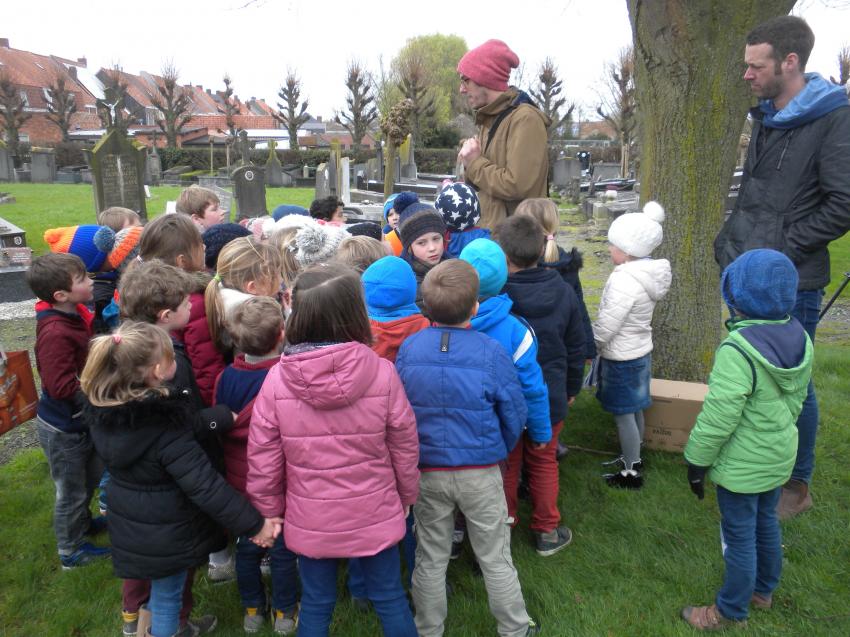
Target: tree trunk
[[693, 101], [389, 169]]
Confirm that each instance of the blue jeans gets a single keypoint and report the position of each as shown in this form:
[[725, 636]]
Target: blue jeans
[[806, 311], [356, 581], [165, 603], [249, 579], [752, 550], [76, 469], [382, 573]]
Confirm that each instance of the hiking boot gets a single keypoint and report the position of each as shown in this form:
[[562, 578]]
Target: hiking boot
[[762, 602], [533, 628], [86, 554], [561, 451], [219, 573], [198, 626], [253, 620], [553, 541], [708, 618], [458, 536], [625, 479], [97, 525], [131, 623], [793, 500], [285, 623]]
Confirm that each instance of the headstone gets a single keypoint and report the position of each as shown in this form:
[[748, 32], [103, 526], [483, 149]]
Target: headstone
[[7, 166], [148, 194], [408, 162], [244, 147], [345, 180], [334, 165], [274, 170], [118, 172], [601, 216], [225, 199], [323, 188], [68, 177], [606, 170], [23, 175], [286, 179], [563, 171], [373, 169], [249, 188], [43, 165], [15, 259], [85, 175], [153, 168]]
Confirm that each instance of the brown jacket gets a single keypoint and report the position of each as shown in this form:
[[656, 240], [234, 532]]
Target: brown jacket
[[516, 164]]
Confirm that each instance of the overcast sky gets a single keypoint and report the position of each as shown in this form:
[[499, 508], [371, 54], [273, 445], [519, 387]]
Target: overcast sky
[[255, 42]]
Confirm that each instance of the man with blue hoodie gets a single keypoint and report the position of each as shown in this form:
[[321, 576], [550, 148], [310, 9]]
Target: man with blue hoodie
[[795, 191]]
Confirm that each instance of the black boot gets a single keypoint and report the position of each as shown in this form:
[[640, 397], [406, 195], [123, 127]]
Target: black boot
[[626, 478], [619, 464]]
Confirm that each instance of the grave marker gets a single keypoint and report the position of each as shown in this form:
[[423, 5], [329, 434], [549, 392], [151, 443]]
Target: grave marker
[[7, 165], [274, 170], [43, 165], [249, 187], [118, 173]]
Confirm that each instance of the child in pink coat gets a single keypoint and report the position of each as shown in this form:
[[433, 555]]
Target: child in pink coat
[[333, 449]]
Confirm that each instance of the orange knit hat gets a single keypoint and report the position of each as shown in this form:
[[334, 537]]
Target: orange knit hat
[[121, 246], [77, 240]]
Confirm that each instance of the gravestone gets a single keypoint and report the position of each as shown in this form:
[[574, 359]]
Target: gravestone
[[15, 259], [274, 170], [244, 148], [153, 168], [7, 166], [118, 173], [408, 162], [373, 169], [249, 188], [564, 170], [344, 180], [606, 170], [225, 199], [43, 165], [323, 188]]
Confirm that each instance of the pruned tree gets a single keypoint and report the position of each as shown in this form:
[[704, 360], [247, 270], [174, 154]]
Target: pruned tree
[[619, 105], [362, 110], [414, 83], [395, 127], [290, 113], [113, 110], [843, 66], [693, 101], [61, 105], [174, 104], [12, 112], [230, 108], [549, 99]]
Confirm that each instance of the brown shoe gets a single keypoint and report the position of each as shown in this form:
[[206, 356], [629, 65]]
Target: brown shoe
[[762, 602], [708, 618], [794, 500]]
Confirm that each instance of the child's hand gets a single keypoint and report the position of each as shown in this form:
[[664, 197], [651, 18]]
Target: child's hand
[[406, 511], [271, 529], [570, 401], [696, 479], [537, 446]]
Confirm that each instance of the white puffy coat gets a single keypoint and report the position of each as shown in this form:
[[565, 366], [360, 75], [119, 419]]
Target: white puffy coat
[[623, 329]]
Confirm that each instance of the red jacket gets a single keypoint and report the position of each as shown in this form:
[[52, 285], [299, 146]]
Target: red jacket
[[389, 335], [207, 361], [61, 348], [237, 388]]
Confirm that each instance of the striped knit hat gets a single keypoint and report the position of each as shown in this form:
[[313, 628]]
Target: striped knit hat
[[77, 240], [121, 247]]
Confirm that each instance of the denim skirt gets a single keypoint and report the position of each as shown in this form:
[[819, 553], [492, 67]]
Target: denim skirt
[[623, 386]]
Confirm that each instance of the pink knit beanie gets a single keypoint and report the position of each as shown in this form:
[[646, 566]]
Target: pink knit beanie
[[489, 65]]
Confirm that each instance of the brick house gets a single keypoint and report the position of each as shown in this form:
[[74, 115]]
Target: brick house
[[33, 74]]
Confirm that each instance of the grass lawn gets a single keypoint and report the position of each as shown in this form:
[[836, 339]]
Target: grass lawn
[[39, 206], [636, 557]]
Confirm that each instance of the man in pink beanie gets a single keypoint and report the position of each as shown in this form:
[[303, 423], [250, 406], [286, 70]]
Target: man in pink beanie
[[508, 161]]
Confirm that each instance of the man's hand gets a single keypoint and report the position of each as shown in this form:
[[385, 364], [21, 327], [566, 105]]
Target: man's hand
[[470, 151], [696, 479]]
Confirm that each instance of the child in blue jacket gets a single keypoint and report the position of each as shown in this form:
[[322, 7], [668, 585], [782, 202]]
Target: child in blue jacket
[[458, 204], [469, 414]]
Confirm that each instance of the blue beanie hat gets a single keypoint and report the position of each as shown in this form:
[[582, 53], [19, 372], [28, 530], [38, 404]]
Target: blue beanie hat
[[217, 236], [489, 261], [390, 289], [288, 209], [388, 205], [458, 204], [760, 284]]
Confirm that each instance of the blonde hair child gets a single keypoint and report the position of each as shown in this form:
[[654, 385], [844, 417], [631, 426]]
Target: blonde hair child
[[545, 211], [245, 268], [143, 433]]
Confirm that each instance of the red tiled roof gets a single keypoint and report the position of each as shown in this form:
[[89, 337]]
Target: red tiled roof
[[32, 72]]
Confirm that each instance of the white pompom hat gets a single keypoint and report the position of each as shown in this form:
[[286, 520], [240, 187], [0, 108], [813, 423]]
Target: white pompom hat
[[638, 233]]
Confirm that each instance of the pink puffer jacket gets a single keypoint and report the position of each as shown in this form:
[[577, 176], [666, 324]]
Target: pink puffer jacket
[[333, 449]]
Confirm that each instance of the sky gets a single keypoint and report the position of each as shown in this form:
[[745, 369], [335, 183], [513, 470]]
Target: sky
[[257, 41]]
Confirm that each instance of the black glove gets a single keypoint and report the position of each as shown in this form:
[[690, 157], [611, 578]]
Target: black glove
[[696, 478]]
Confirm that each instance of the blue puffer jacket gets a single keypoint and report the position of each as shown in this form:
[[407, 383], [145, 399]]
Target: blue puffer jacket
[[459, 240], [494, 319], [464, 391]]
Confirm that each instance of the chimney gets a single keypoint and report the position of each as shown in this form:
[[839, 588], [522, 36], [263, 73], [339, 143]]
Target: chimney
[[72, 71], [4, 43], [82, 62], [209, 91]]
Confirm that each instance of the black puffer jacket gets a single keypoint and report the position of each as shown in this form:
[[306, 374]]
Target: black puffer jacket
[[568, 265], [166, 501], [794, 196]]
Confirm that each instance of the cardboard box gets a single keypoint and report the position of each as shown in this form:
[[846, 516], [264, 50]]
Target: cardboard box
[[675, 407]]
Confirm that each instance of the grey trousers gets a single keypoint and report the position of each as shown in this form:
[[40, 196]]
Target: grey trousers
[[76, 471], [479, 495]]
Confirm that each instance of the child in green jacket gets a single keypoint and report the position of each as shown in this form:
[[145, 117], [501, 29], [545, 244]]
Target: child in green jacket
[[745, 437]]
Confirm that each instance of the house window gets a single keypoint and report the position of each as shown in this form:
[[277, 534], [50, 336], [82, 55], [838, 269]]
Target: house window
[[25, 100], [47, 97]]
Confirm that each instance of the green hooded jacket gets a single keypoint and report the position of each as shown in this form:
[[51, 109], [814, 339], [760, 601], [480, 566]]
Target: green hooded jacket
[[746, 431]]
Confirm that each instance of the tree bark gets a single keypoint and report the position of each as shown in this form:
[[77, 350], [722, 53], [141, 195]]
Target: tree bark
[[390, 153], [693, 101]]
